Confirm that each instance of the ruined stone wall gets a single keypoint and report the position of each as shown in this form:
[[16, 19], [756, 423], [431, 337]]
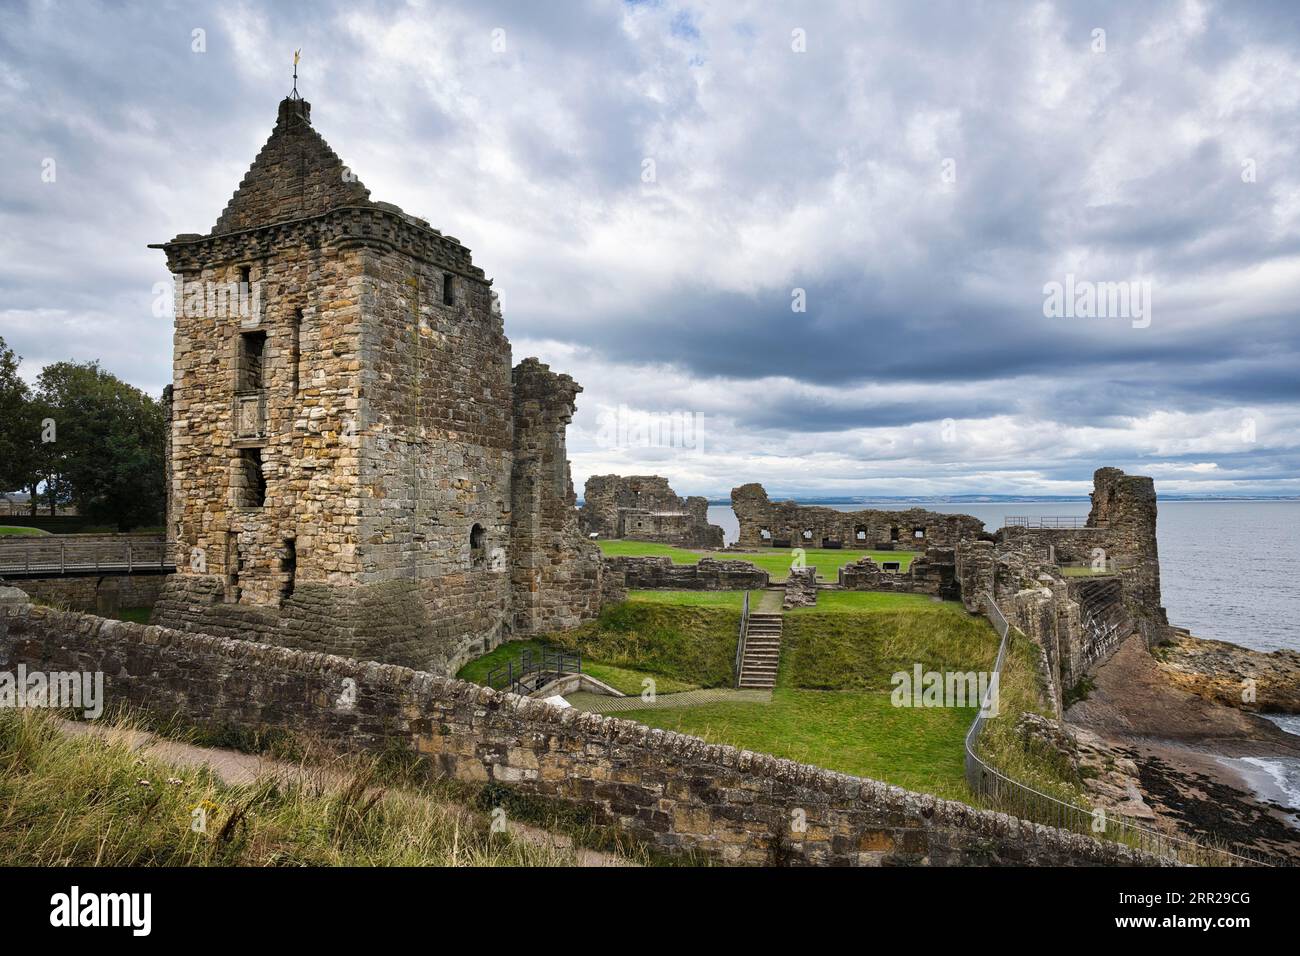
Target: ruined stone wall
[[933, 573], [661, 573], [788, 524], [800, 588], [95, 593], [866, 575], [645, 508], [674, 792], [1121, 526], [556, 573]]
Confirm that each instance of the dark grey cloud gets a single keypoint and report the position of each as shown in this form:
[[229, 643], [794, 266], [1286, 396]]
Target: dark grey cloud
[[775, 170]]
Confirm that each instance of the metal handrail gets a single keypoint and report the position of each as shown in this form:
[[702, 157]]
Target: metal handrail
[[740, 640], [1026, 802], [511, 674], [39, 555], [1046, 522]]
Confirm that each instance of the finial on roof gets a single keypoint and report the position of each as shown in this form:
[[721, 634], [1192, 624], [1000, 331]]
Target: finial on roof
[[296, 55]]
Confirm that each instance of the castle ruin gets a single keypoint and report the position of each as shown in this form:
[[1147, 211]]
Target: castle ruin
[[354, 467], [645, 508], [787, 524]]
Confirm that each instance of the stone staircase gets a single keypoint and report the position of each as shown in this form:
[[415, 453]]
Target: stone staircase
[[762, 651]]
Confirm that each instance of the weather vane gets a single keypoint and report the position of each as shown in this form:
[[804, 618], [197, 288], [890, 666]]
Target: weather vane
[[294, 95]]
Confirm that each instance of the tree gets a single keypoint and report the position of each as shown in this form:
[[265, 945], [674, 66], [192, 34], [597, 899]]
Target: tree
[[18, 426], [107, 452]]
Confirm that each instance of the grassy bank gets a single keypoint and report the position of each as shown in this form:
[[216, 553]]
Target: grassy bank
[[847, 649], [680, 639], [90, 801], [691, 644]]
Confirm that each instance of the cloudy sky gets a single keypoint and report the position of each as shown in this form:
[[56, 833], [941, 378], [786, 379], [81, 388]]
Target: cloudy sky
[[803, 245]]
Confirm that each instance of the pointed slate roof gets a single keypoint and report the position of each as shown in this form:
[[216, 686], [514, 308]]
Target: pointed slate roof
[[295, 175]]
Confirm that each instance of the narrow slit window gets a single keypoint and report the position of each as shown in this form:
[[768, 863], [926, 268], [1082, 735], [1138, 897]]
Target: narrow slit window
[[295, 350], [477, 546], [288, 568], [252, 480], [448, 289], [252, 352]]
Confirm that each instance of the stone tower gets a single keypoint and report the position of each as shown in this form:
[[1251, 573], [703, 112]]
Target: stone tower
[[346, 431]]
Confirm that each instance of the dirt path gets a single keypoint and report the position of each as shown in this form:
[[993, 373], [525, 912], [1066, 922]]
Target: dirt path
[[1187, 751], [235, 768]]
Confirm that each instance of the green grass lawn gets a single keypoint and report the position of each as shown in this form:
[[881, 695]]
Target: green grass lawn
[[734, 599], [775, 561], [852, 732], [140, 615], [827, 561], [9, 529]]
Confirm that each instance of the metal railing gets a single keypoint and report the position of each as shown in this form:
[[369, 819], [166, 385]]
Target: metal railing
[[1046, 522], [1002, 793], [46, 555], [510, 675], [740, 640]]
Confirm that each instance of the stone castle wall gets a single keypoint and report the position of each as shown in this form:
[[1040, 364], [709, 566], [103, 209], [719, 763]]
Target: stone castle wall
[[661, 573], [95, 593], [784, 524], [673, 792], [645, 508], [557, 575]]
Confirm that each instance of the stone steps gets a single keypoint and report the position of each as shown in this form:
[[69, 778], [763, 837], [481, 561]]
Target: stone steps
[[762, 658]]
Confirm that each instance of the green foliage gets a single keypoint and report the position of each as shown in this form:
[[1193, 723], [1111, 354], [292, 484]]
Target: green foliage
[[1080, 691], [86, 437], [18, 426], [108, 452]]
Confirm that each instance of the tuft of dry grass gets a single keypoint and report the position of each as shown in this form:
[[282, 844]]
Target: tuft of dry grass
[[92, 800]]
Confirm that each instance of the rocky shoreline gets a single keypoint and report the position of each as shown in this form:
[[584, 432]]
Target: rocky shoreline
[[1154, 741], [1231, 675]]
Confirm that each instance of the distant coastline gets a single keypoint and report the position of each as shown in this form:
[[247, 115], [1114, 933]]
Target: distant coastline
[[987, 499]]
